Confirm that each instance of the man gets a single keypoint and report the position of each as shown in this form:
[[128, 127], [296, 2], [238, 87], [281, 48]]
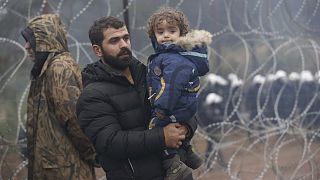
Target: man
[[114, 111], [57, 147]]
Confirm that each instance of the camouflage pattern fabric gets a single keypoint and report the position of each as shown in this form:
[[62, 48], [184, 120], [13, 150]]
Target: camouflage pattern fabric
[[57, 147], [49, 32]]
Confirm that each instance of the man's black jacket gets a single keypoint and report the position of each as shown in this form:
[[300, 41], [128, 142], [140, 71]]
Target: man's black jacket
[[115, 114]]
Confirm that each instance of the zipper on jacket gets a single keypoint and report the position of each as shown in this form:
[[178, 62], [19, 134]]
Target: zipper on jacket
[[151, 96], [131, 167]]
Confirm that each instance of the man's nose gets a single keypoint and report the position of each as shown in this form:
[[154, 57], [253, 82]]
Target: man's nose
[[124, 43], [27, 46]]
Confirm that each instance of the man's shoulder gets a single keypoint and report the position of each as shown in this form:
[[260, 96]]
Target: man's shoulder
[[96, 86], [96, 92], [92, 90], [102, 88], [63, 59]]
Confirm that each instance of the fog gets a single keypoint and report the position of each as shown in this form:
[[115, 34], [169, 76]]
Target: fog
[[259, 105]]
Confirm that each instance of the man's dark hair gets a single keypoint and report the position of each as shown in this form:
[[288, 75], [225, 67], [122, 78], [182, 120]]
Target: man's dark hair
[[101, 24]]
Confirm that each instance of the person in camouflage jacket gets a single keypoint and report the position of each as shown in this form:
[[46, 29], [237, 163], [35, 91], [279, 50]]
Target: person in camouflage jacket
[[57, 147]]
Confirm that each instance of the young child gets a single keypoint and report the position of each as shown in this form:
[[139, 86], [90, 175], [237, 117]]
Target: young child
[[174, 79]]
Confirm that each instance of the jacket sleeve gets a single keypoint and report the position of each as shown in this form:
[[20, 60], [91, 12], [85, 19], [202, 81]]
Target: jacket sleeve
[[98, 119], [64, 90], [192, 125]]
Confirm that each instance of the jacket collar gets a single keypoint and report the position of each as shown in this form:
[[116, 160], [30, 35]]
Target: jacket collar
[[99, 71]]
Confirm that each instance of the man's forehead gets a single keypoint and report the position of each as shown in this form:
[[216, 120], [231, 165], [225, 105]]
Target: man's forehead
[[113, 33]]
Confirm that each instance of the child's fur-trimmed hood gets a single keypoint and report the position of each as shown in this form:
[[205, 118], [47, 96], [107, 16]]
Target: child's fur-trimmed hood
[[194, 38]]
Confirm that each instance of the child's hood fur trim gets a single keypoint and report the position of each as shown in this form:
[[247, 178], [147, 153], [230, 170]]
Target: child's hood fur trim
[[194, 38]]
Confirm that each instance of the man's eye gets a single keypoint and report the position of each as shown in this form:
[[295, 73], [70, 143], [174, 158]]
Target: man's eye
[[113, 41]]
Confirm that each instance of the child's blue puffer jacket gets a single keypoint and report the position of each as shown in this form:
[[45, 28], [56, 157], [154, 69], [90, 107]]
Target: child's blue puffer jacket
[[174, 79]]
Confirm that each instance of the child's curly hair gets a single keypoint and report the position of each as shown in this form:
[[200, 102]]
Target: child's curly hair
[[172, 16]]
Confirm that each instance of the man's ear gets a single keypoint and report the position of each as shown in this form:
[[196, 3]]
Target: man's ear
[[97, 50]]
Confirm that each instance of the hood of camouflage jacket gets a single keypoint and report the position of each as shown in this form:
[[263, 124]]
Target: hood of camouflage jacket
[[47, 32], [47, 37]]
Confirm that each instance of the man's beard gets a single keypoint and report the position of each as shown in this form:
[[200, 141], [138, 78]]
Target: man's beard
[[116, 62]]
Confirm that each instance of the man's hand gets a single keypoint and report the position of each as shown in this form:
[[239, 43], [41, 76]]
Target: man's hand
[[173, 135], [184, 129]]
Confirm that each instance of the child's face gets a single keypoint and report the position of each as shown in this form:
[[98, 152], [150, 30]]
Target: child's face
[[166, 33]]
